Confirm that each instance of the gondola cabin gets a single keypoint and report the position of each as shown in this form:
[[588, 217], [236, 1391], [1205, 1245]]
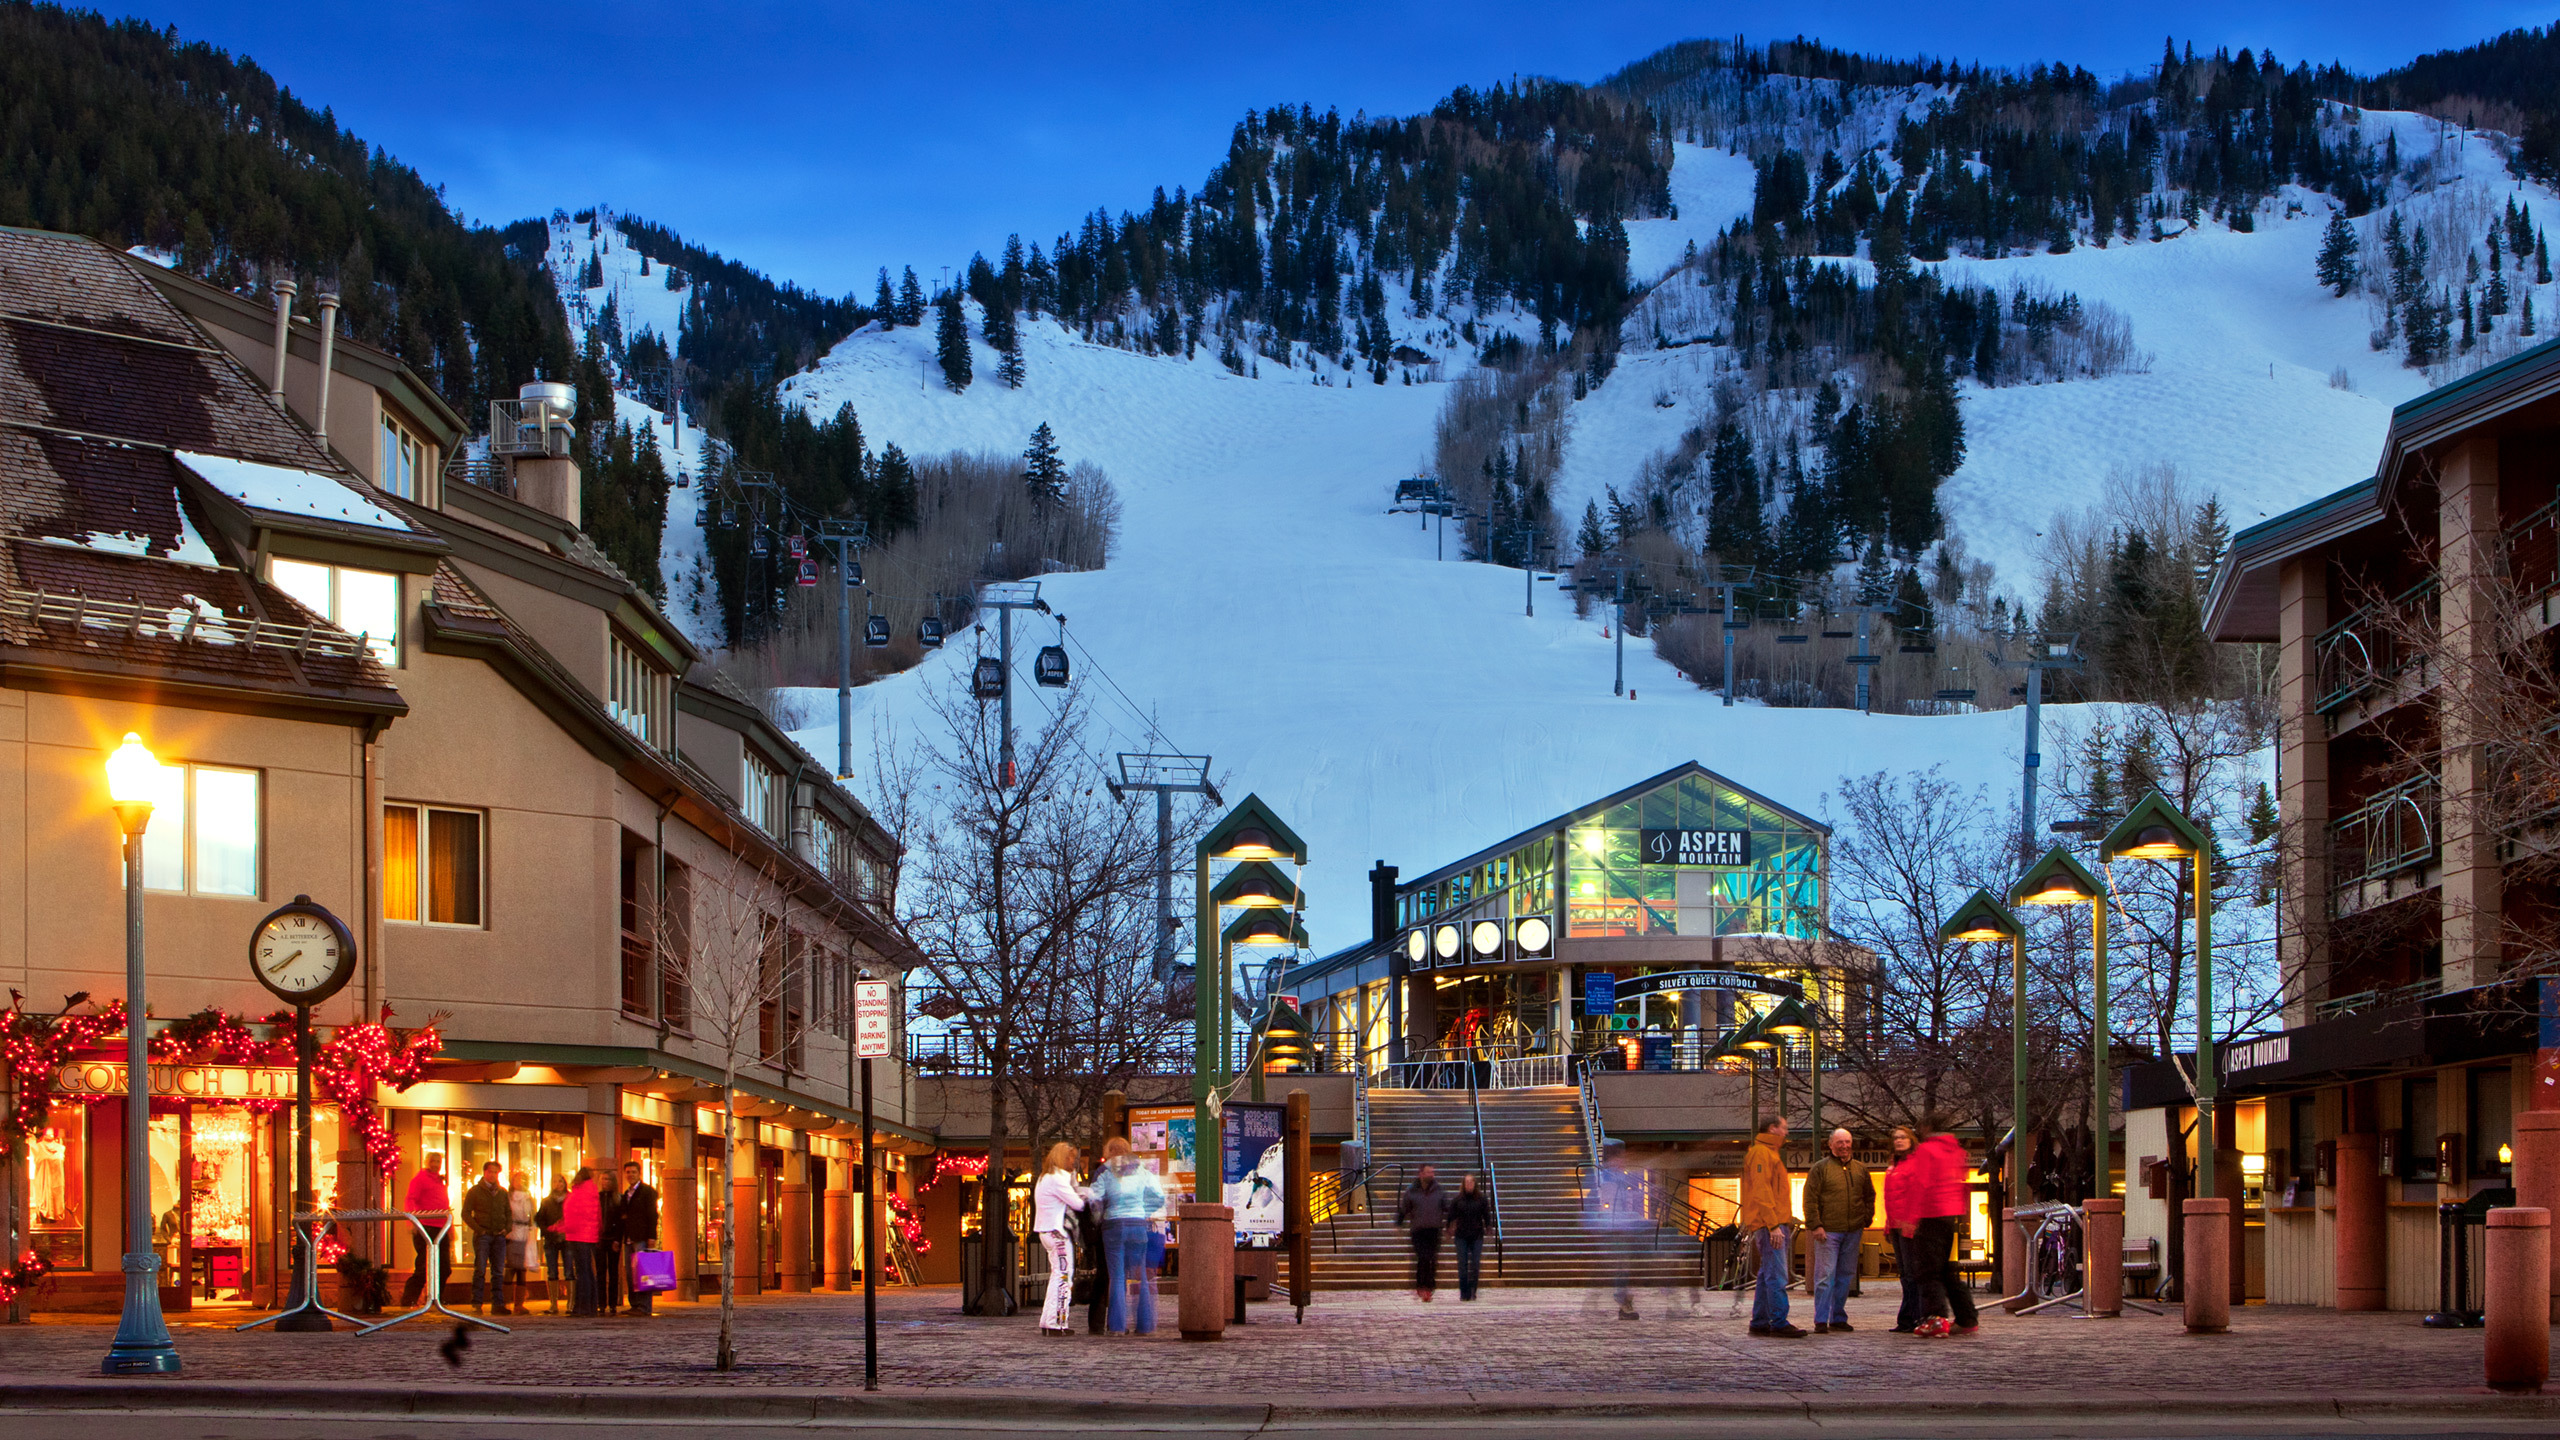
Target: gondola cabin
[[875, 632], [929, 633], [1051, 667], [988, 682]]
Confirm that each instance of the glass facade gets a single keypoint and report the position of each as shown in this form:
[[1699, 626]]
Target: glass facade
[[1613, 890]]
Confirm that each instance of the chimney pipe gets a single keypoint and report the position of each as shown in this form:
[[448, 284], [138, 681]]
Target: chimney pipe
[[284, 336], [328, 346]]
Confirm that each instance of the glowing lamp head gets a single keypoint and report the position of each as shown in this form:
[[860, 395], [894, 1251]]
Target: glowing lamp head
[[1257, 894], [1249, 843], [133, 773], [1754, 1039], [2156, 842], [1788, 1021], [2506, 1154], [1980, 932]]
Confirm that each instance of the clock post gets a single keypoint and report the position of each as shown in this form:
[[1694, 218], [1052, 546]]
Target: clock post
[[303, 954], [303, 1310]]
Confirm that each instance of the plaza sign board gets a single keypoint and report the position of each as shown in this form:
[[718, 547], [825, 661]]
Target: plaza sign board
[[871, 1028], [1721, 848]]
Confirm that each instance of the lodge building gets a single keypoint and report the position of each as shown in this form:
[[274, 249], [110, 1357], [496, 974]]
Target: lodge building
[[382, 667], [2419, 1018]]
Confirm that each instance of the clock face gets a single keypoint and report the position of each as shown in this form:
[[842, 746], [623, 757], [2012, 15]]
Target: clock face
[[299, 954]]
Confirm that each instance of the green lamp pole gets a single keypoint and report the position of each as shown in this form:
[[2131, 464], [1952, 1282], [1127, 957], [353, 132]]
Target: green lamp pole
[[2057, 879], [1248, 832], [2157, 830], [142, 1345], [1984, 918]]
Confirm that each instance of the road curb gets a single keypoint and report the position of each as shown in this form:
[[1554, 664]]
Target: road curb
[[776, 1404]]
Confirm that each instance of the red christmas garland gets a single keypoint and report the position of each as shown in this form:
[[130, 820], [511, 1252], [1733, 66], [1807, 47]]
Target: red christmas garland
[[903, 1215], [345, 1068], [22, 1277]]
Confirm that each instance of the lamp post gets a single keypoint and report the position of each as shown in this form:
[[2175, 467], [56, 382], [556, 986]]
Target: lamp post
[[1983, 918], [2057, 879], [1248, 832], [142, 1344], [2158, 830], [1792, 1019]]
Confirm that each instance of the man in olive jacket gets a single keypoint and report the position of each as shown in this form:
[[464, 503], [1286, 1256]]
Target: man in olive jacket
[[1839, 1205], [486, 1216]]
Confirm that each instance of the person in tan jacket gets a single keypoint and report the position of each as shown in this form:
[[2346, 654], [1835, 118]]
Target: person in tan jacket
[[1768, 1222]]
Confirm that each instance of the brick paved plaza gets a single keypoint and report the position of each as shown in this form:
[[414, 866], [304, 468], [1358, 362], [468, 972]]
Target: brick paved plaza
[[1373, 1343]]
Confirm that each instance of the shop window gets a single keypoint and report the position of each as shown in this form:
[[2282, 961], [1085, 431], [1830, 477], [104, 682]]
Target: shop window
[[2419, 1125], [675, 947], [58, 1189], [431, 865], [711, 1187], [203, 838], [365, 603]]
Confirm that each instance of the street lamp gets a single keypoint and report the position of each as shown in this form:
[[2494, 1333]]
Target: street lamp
[[2057, 879], [1249, 832], [1982, 918], [2157, 830], [142, 1344]]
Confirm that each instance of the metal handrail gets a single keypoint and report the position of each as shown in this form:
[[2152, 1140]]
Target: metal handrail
[[2345, 664], [1484, 1162], [1590, 1113], [2389, 833]]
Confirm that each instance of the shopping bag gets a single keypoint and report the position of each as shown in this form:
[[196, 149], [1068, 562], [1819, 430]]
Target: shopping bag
[[653, 1271]]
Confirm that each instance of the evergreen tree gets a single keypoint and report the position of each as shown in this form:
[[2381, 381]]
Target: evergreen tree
[[1736, 529], [2526, 328], [2337, 267], [884, 305], [893, 493], [2541, 258], [1591, 540], [951, 341], [1043, 473], [1875, 574], [910, 298]]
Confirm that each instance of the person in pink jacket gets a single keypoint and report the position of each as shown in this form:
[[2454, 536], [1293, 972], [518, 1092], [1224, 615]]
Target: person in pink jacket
[[1927, 1206], [428, 1198], [582, 1228]]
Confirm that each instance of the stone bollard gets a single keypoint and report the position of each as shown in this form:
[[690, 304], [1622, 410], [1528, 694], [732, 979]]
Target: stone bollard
[[2537, 1175], [2517, 1348], [2102, 1263], [1207, 1234], [2206, 1285]]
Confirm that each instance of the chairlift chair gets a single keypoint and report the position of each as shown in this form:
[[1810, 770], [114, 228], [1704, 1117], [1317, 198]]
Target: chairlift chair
[[929, 633], [1791, 631], [988, 681], [875, 632], [1960, 696], [1050, 668]]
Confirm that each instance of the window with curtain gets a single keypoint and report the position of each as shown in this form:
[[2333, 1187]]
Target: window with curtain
[[432, 871]]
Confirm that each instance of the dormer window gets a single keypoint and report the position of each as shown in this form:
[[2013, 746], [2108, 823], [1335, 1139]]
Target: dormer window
[[640, 696], [360, 602], [760, 795], [403, 459]]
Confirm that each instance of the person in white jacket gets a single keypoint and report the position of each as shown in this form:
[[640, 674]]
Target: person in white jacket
[[520, 1242], [1052, 1197]]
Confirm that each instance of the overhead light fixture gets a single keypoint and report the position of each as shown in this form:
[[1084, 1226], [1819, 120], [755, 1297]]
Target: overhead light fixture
[[1533, 937], [1485, 938], [1444, 942]]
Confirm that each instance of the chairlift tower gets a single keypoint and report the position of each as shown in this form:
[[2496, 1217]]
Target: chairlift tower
[[2047, 650], [1166, 776], [850, 538], [1005, 597], [1731, 581]]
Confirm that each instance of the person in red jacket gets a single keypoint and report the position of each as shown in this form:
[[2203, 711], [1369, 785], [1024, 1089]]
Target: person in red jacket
[[429, 1199], [1925, 1195], [582, 1227]]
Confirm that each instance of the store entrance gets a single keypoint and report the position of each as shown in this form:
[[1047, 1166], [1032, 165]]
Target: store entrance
[[212, 1182]]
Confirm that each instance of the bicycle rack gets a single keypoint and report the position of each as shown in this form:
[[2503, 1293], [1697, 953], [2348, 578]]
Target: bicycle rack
[[2049, 1218]]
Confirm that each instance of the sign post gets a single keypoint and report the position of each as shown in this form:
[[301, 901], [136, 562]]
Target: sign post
[[870, 1042]]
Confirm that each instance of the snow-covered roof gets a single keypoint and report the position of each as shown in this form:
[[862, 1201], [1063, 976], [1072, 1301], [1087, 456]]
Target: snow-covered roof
[[290, 491]]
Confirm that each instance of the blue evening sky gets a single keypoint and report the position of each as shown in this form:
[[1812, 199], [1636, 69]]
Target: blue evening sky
[[820, 141]]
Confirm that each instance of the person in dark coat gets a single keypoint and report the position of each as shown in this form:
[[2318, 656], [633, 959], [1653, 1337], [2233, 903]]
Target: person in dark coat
[[609, 1246], [1423, 1210], [639, 1227], [1470, 1210]]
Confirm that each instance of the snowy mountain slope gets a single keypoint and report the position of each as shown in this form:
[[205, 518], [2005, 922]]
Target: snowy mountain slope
[[1710, 188], [1267, 612]]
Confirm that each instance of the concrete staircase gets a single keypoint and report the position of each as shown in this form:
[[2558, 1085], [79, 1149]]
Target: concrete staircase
[[1534, 1139]]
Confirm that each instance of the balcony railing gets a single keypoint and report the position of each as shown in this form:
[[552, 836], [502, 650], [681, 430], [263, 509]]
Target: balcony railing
[[2362, 652], [2383, 999], [2389, 834]]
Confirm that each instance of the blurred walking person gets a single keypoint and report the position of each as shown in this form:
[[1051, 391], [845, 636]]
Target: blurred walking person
[[1424, 1210], [1839, 1205], [1469, 1212], [1051, 1199], [1937, 1211], [520, 1237], [1615, 1207], [581, 1229], [1768, 1222], [1130, 1197], [547, 1219], [429, 1199], [608, 1243]]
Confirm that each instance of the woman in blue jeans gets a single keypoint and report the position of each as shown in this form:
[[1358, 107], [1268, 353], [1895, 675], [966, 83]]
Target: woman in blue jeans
[[1131, 1198]]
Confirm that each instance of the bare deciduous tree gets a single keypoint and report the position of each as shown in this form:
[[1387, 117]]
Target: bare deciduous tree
[[722, 937], [1033, 907]]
